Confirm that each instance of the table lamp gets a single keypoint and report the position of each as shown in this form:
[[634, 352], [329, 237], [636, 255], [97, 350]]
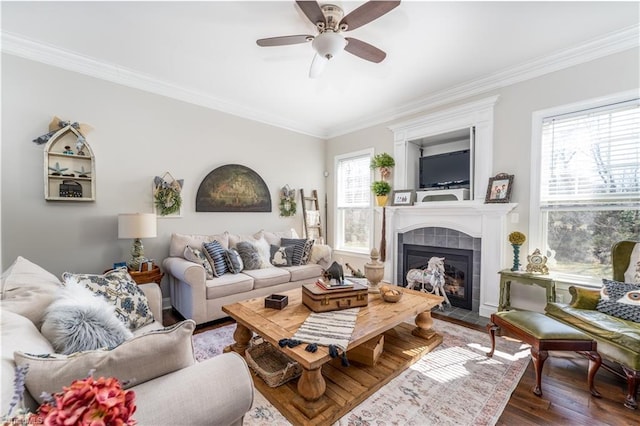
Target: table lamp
[[136, 226]]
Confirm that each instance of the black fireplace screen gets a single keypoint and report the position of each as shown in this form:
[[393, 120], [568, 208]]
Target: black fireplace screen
[[458, 269]]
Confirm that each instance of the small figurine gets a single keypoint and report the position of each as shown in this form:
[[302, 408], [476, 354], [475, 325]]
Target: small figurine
[[67, 150], [57, 171], [80, 145], [334, 272], [82, 172], [356, 273]]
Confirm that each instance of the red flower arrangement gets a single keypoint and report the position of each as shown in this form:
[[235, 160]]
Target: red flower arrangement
[[93, 402], [87, 402]]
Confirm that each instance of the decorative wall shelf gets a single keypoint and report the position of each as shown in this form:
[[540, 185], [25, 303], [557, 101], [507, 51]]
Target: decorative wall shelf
[[69, 167]]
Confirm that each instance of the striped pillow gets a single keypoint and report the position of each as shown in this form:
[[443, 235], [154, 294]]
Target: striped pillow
[[216, 255], [301, 249]]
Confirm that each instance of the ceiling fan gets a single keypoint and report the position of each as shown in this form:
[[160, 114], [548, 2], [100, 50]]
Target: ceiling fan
[[330, 23]]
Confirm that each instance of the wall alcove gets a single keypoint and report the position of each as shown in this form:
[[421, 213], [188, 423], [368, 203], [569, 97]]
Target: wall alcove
[[445, 130], [69, 167]]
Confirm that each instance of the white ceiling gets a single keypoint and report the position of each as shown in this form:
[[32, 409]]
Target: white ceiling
[[205, 52]]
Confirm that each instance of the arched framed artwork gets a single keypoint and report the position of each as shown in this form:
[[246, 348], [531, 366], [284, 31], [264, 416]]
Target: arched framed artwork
[[233, 188]]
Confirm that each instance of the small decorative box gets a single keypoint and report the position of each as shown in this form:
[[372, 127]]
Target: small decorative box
[[276, 301]]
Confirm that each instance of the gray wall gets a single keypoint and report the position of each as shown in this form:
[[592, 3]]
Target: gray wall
[[512, 130], [136, 136]]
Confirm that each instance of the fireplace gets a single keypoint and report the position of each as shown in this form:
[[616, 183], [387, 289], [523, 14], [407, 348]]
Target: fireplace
[[458, 269], [469, 225]]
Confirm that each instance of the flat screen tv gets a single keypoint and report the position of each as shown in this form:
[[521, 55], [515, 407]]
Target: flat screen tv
[[450, 170]]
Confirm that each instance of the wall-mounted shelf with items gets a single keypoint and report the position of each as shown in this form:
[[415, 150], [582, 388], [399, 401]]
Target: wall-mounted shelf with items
[[69, 167]]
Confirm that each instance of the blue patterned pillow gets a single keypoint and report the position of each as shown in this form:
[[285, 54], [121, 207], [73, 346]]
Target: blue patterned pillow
[[234, 261], [121, 290], [216, 255], [623, 300]]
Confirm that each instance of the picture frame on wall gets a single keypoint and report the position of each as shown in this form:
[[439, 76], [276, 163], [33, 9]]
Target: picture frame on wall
[[499, 188], [403, 197]]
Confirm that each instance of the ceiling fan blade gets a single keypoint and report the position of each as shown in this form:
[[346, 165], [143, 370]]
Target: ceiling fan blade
[[312, 10], [285, 40], [364, 50], [317, 65], [367, 13]]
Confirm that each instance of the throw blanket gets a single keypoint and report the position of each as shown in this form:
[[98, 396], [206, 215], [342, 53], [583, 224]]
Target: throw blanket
[[332, 329]]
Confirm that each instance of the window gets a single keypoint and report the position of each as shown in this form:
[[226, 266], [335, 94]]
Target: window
[[354, 213], [587, 194]]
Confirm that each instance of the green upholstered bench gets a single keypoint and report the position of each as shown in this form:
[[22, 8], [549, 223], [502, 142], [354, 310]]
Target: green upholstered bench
[[545, 334]]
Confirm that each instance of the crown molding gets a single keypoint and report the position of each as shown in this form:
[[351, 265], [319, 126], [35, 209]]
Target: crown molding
[[618, 41], [615, 42], [16, 45]]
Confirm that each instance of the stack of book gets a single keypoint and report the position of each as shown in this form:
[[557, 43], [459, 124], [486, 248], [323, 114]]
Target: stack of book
[[334, 284]]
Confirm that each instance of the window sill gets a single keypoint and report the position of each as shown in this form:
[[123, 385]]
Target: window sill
[[565, 281], [353, 253]]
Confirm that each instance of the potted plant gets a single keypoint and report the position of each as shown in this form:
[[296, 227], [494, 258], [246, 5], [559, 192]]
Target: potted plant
[[384, 162], [381, 189]]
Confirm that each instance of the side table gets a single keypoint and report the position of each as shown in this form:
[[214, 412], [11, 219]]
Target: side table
[[507, 276], [153, 275]]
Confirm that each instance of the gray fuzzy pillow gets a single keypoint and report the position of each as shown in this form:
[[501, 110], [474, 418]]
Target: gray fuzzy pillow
[[80, 321], [249, 255]]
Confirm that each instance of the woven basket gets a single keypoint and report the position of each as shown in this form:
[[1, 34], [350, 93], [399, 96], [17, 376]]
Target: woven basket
[[268, 362]]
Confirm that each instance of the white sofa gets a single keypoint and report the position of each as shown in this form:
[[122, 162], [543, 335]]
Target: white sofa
[[201, 299], [170, 386]]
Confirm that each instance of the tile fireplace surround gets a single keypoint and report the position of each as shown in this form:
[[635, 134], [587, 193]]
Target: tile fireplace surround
[[486, 222]]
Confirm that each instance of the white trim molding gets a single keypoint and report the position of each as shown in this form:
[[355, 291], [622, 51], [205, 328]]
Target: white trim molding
[[618, 41], [615, 42]]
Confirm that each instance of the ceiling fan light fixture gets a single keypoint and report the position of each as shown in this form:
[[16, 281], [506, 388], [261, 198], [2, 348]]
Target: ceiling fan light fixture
[[329, 44]]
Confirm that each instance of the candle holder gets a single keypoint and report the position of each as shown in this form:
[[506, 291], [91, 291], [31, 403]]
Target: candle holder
[[516, 257]]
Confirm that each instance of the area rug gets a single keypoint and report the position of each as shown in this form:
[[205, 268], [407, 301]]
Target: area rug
[[455, 384]]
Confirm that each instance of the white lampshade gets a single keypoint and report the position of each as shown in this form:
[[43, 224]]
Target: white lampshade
[[329, 44], [137, 225]]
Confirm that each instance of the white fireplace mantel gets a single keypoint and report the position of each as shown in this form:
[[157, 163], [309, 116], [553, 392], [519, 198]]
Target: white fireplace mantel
[[485, 221]]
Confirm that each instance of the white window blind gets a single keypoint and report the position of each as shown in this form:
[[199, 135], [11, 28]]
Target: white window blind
[[592, 158], [353, 182]]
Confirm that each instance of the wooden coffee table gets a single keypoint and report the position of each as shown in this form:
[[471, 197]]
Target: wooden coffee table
[[404, 345]]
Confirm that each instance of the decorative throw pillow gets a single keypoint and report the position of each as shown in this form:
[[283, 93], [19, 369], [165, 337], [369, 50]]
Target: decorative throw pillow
[[306, 252], [281, 256], [27, 289], [197, 256], [121, 290], [79, 320], [320, 253], [623, 300], [215, 253], [135, 361], [301, 249], [249, 255], [632, 274], [264, 251], [234, 261]]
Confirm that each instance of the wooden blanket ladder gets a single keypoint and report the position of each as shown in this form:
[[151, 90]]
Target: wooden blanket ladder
[[311, 215]]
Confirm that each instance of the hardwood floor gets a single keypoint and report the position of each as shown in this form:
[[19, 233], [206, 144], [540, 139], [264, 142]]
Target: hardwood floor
[[565, 401]]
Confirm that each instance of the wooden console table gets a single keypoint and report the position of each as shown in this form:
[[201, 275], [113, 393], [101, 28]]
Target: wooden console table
[[507, 276]]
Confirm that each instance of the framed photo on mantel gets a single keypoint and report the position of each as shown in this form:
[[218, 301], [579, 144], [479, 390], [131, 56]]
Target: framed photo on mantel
[[499, 189], [403, 197]]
